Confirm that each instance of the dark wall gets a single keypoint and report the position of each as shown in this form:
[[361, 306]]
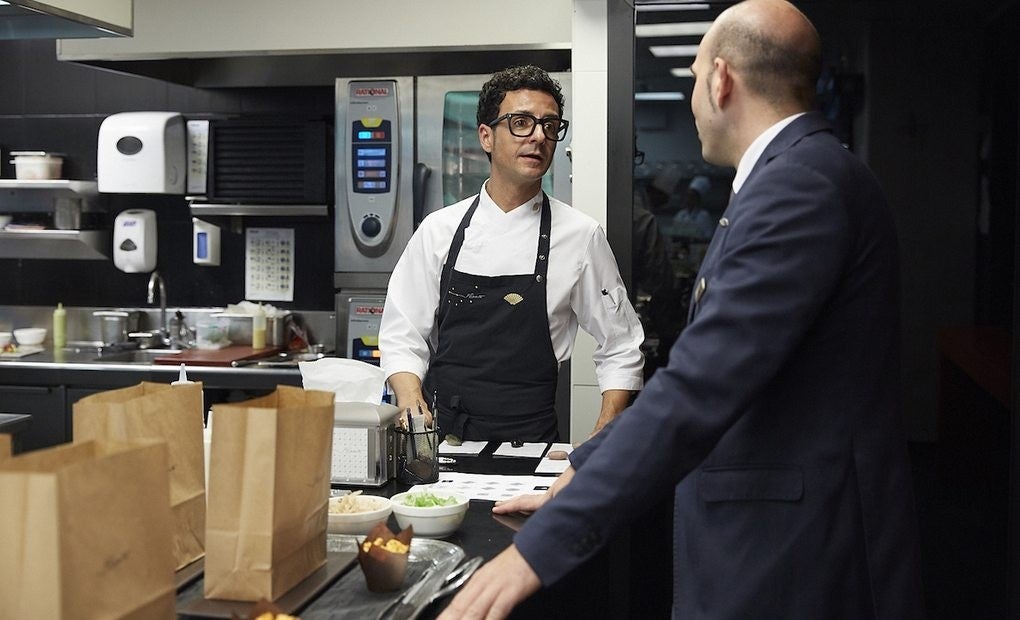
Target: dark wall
[[58, 106]]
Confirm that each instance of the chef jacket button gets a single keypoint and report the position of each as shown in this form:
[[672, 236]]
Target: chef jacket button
[[724, 222], [541, 257], [539, 278]]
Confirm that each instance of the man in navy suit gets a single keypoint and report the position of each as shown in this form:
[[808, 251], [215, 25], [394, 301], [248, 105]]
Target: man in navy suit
[[776, 424]]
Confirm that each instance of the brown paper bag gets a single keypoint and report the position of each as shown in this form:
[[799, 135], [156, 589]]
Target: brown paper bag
[[159, 411], [268, 493], [85, 532]]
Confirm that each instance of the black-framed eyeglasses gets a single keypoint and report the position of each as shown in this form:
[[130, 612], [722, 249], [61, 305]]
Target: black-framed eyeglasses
[[523, 125]]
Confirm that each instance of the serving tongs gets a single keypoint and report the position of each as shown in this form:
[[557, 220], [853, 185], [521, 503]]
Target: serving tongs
[[418, 596]]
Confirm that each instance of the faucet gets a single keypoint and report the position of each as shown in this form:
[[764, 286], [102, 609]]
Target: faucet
[[155, 278]]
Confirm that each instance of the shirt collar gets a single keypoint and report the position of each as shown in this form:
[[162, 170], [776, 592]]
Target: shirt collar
[[489, 204], [753, 152]]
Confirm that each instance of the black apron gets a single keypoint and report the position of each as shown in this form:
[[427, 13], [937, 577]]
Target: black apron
[[493, 373]]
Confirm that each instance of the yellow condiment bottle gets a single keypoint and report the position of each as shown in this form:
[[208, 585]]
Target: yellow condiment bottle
[[59, 327], [258, 329]]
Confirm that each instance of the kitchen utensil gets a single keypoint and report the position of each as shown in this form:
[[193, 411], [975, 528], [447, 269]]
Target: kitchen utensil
[[115, 325], [457, 578], [416, 463], [417, 596]]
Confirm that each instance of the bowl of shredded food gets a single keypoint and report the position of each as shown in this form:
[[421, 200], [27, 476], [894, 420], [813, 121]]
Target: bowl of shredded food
[[355, 513], [433, 514]]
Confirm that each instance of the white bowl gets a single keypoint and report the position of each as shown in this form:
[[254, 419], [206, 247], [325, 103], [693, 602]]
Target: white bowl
[[30, 335], [5, 339], [360, 522], [432, 521]]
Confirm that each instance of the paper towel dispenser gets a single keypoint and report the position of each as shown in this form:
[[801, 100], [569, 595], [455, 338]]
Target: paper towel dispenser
[[142, 153]]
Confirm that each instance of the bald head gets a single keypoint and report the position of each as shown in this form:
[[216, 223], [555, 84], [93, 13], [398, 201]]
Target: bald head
[[773, 46]]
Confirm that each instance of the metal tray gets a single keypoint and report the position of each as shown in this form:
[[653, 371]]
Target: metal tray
[[349, 597]]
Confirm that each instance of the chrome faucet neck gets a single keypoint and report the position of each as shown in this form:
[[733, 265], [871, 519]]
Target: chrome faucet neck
[[155, 279]]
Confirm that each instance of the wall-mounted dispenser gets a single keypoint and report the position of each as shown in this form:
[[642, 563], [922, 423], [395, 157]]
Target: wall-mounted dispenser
[[142, 153], [134, 241], [205, 246]]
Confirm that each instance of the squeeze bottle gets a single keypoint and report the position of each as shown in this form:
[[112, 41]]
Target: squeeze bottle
[[258, 329], [59, 327]]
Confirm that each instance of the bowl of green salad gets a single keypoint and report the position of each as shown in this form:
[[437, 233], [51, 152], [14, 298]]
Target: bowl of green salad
[[433, 514]]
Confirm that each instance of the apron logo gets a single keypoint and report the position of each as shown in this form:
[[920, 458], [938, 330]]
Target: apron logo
[[513, 299]]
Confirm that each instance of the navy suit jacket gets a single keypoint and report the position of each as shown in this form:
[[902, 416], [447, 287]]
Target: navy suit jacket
[[776, 424]]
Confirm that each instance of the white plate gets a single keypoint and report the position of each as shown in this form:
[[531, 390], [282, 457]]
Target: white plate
[[23, 350]]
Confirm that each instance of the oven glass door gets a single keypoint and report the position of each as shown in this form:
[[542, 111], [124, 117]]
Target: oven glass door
[[447, 141]]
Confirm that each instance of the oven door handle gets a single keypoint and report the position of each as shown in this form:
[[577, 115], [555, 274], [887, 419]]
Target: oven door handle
[[419, 181]]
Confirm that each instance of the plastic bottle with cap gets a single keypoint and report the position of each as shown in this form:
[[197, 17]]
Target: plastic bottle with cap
[[258, 329], [59, 327], [182, 377]]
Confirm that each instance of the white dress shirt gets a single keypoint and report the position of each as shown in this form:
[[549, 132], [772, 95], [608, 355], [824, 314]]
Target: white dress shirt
[[584, 285], [755, 150]]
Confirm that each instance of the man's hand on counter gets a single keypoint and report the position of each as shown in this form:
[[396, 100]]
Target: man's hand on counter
[[504, 582], [528, 504], [495, 589]]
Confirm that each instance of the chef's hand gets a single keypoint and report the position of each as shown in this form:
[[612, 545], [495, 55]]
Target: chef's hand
[[530, 503], [613, 403], [406, 387], [495, 589]]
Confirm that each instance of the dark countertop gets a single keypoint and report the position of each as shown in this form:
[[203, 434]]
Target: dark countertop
[[617, 582], [79, 367]]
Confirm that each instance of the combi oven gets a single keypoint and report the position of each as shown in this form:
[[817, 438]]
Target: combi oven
[[404, 147]]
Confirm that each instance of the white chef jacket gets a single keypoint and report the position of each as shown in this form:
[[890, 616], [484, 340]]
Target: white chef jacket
[[584, 285]]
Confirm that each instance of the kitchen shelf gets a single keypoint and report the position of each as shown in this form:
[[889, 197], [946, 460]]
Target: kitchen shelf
[[70, 186], [208, 208], [55, 244], [24, 196]]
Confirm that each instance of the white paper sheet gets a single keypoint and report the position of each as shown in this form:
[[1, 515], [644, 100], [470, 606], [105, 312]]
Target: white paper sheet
[[489, 487], [528, 450], [468, 448], [549, 466]]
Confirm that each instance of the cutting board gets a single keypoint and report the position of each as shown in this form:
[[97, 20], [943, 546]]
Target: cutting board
[[215, 357]]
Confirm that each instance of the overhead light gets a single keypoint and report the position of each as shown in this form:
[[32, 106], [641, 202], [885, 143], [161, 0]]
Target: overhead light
[[680, 29], [681, 72], [673, 6], [660, 51], [660, 96]]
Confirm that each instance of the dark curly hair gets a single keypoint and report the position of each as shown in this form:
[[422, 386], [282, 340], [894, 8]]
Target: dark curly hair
[[527, 77]]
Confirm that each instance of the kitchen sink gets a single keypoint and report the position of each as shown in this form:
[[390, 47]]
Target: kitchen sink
[[136, 356]]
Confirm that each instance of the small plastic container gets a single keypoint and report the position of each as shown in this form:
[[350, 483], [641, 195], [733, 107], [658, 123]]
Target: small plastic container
[[37, 165], [212, 334]]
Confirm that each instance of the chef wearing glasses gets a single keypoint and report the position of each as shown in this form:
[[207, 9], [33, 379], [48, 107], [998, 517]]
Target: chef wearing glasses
[[486, 299]]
